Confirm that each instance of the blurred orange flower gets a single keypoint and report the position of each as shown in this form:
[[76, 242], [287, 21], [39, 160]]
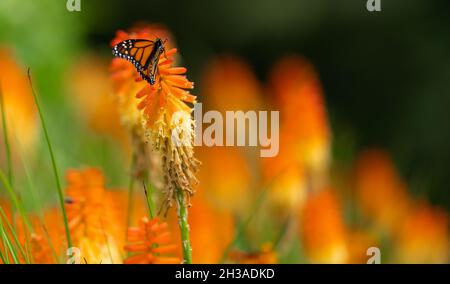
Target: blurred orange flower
[[41, 251], [381, 193], [95, 216], [90, 89], [298, 94], [150, 243], [231, 192], [423, 237], [48, 239], [286, 177], [266, 256], [229, 84], [20, 111], [359, 242], [42, 241], [323, 229]]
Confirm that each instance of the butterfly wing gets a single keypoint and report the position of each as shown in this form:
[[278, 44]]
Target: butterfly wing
[[140, 53]]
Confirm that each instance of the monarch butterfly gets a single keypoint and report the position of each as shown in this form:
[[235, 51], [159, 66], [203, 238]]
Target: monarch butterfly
[[144, 54]]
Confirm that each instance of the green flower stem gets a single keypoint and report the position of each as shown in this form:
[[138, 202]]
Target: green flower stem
[[184, 226], [55, 168]]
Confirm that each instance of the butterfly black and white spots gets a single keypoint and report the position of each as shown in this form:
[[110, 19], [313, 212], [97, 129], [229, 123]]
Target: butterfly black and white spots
[[143, 54]]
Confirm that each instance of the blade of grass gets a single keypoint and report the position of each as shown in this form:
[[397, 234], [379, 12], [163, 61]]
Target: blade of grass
[[10, 248], [7, 241], [6, 261], [244, 224], [52, 157], [141, 174], [6, 138], [131, 192], [14, 235], [34, 194], [49, 241], [19, 207], [148, 197], [29, 257], [282, 233], [37, 199], [2, 258]]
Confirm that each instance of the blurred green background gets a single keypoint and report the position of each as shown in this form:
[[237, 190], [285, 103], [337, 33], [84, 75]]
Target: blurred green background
[[386, 75]]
